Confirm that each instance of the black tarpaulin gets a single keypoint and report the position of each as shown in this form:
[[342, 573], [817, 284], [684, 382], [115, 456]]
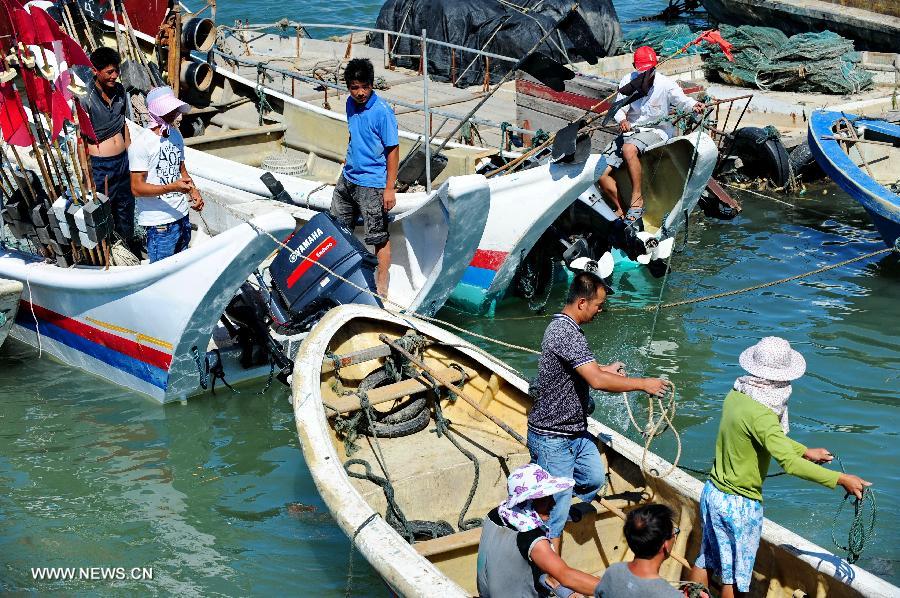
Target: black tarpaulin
[[500, 28]]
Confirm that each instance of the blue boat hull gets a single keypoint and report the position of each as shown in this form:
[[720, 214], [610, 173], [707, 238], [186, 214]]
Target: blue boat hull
[[882, 205]]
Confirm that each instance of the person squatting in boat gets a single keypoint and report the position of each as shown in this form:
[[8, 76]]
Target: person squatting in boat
[[558, 439], [105, 103], [369, 177], [514, 551], [159, 177], [753, 429], [641, 124], [516, 559]]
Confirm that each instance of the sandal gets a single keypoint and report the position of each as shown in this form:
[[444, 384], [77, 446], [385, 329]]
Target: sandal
[[635, 213]]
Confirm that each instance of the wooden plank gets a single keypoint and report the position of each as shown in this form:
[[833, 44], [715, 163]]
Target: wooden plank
[[395, 391], [466, 539]]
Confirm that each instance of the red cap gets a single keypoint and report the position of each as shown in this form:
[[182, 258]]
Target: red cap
[[645, 58]]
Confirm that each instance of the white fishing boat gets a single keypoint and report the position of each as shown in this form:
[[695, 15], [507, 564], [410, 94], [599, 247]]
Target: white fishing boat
[[402, 476], [238, 143], [159, 328], [10, 292]]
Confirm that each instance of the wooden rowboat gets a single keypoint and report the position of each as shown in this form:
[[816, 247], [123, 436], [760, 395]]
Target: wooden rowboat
[[430, 477]]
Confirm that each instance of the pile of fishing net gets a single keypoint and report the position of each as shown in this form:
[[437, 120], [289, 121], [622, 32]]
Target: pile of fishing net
[[808, 62], [665, 40]]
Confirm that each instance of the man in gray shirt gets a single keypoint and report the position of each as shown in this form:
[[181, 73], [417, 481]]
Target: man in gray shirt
[[650, 533]]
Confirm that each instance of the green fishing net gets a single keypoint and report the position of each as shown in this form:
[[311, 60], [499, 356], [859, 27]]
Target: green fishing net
[[808, 62]]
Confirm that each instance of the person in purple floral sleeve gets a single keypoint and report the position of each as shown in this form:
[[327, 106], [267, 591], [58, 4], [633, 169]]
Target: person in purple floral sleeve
[[515, 552]]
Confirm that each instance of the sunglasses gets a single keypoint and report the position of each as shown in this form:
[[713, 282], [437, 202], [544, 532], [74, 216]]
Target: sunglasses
[[676, 531]]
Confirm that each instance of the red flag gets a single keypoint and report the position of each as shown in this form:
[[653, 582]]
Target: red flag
[[74, 53], [84, 123], [23, 25], [13, 121], [37, 89], [46, 30], [713, 36], [60, 112]]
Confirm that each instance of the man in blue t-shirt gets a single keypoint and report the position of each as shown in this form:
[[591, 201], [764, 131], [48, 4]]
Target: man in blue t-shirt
[[366, 185]]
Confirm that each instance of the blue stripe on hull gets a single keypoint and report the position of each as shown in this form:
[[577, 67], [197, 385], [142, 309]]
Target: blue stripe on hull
[[138, 369], [478, 277]]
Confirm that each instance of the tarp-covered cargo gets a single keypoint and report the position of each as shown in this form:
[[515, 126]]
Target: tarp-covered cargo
[[497, 27]]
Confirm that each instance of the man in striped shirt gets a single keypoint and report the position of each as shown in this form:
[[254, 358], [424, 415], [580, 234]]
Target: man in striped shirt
[[558, 439]]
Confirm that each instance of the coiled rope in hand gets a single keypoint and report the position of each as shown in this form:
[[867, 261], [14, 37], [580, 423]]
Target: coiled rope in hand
[[860, 533], [656, 426]]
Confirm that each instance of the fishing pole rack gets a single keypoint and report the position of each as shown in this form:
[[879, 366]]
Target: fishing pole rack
[[58, 214]]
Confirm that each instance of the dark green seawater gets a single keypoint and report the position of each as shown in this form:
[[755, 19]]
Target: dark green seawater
[[214, 494]]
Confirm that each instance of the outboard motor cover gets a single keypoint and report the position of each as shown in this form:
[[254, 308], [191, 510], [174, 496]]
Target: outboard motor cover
[[303, 288]]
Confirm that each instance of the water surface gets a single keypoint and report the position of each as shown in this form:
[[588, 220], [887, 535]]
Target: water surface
[[214, 495]]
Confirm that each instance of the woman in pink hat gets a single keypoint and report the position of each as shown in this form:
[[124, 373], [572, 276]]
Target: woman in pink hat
[[159, 179], [754, 429]]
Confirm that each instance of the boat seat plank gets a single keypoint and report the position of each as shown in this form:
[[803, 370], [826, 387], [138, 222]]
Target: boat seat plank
[[394, 391], [448, 543]]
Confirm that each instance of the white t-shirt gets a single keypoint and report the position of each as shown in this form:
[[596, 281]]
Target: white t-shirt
[[664, 94], [160, 157]]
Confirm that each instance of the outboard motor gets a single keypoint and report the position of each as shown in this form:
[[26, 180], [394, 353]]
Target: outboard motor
[[303, 291]]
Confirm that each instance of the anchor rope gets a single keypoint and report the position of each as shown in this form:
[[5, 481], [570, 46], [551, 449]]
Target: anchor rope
[[859, 534]]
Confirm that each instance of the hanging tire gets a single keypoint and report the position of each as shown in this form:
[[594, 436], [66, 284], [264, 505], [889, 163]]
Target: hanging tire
[[762, 154], [804, 163], [408, 417]]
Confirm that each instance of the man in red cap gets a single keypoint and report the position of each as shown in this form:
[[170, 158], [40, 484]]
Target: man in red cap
[[642, 124]]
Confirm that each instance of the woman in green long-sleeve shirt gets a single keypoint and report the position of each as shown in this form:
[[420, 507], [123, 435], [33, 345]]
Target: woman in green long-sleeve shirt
[[754, 429]]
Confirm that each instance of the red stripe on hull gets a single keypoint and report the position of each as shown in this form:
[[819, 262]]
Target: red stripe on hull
[[488, 259], [124, 346]]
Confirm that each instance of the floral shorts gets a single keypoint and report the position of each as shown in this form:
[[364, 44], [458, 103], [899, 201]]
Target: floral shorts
[[732, 526]]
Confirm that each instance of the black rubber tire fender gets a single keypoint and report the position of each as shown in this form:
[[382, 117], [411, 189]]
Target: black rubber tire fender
[[408, 417], [763, 156], [804, 163]]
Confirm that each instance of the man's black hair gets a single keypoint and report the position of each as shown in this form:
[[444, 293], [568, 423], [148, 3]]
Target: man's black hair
[[359, 69], [104, 56], [647, 527], [584, 286]]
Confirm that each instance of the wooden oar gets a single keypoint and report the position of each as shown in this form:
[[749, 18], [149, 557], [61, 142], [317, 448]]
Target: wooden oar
[[456, 390], [518, 437], [621, 515]]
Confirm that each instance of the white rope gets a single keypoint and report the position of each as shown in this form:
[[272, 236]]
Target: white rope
[[398, 309], [37, 326]]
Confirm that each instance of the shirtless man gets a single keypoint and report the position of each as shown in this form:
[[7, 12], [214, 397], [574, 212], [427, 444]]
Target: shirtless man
[[105, 103]]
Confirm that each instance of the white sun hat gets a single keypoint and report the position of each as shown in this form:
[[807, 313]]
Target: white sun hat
[[773, 359]]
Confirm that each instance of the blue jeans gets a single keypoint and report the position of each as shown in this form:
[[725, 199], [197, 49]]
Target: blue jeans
[[572, 457], [168, 239], [112, 174]]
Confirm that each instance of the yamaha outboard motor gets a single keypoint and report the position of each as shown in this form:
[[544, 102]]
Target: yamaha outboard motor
[[301, 290], [304, 291]]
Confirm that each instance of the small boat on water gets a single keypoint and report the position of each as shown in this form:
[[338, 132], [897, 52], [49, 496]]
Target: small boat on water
[[862, 155], [159, 328], [10, 292], [873, 24], [370, 389]]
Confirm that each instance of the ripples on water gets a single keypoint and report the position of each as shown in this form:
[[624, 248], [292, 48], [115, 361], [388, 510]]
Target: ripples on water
[[214, 494]]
